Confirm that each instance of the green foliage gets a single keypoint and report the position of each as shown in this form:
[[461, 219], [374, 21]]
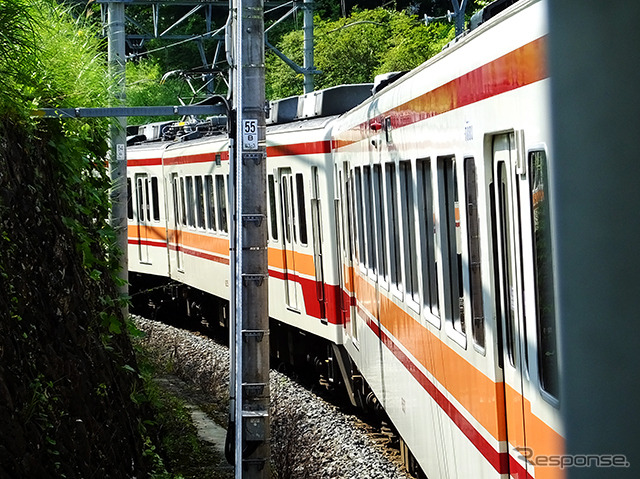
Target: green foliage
[[356, 49], [176, 446], [16, 49], [414, 44], [56, 61], [146, 88], [59, 261], [47, 59]]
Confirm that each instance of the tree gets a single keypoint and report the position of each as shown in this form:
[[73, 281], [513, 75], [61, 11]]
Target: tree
[[67, 376], [356, 49], [145, 87]]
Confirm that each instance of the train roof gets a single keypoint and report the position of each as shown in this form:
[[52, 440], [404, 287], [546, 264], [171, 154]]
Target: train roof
[[322, 103]]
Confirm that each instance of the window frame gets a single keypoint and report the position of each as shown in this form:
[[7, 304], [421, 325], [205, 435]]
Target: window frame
[[273, 208], [474, 255], [210, 203], [377, 178], [550, 396], [409, 256], [452, 271], [221, 185], [129, 199], [199, 203], [393, 228], [301, 209], [359, 219], [370, 243], [428, 229]]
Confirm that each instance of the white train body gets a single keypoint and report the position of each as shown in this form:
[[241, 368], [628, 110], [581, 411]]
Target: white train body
[[407, 233], [189, 242], [482, 104]]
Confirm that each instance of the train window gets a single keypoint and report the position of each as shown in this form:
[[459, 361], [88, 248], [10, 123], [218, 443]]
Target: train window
[[428, 234], [147, 205], [545, 302], [183, 219], [316, 228], [191, 217], [221, 197], [302, 213], [155, 202], [289, 181], [473, 242], [176, 210], [378, 194], [200, 202], [393, 225], [141, 199], [272, 207], [506, 259], [368, 211], [360, 217], [286, 208], [210, 202], [316, 207], [409, 227], [451, 247], [350, 225], [129, 200]]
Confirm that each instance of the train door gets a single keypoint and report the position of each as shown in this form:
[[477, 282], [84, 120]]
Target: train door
[[339, 231], [352, 237], [345, 249], [175, 242], [509, 304], [316, 225], [287, 203], [144, 216]]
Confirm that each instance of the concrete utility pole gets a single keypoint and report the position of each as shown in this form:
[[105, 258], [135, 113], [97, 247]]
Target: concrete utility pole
[[250, 340], [118, 137]]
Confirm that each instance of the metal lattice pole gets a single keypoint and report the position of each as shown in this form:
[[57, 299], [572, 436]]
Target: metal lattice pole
[[308, 46]]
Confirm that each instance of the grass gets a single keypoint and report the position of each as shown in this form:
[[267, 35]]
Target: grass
[[180, 453]]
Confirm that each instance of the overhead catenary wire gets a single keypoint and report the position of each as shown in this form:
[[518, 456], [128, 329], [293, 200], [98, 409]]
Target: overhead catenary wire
[[181, 42]]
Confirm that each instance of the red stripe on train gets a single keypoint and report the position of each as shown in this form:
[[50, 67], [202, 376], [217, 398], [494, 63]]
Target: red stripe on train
[[313, 305], [145, 162], [197, 158], [199, 254], [311, 148], [161, 243], [502, 462]]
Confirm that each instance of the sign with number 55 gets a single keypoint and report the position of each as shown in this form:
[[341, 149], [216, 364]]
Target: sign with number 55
[[249, 134]]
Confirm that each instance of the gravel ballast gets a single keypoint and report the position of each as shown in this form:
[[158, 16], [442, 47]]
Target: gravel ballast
[[310, 437]]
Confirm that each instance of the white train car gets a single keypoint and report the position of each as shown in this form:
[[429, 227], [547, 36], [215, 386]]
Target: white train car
[[302, 284], [196, 174], [191, 191], [443, 192], [409, 247], [147, 216]]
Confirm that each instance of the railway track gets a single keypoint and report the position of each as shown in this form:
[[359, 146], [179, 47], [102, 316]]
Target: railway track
[[311, 437]]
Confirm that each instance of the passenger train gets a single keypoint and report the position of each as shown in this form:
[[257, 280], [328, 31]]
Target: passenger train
[[409, 245]]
